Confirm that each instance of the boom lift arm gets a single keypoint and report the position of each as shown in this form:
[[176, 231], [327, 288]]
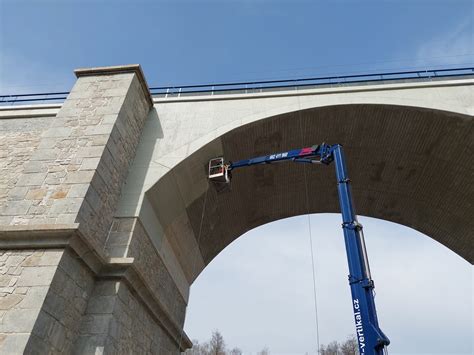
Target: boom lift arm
[[371, 339]]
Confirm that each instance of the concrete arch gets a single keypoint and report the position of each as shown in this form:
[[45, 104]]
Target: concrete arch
[[408, 165]]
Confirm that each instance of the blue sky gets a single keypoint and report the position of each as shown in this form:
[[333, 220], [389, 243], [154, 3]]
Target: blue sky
[[217, 41], [424, 290]]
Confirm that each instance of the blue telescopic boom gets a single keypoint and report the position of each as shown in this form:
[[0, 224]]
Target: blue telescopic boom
[[370, 337]]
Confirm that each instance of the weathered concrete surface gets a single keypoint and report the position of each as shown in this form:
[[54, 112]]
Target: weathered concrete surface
[[116, 190], [410, 166]]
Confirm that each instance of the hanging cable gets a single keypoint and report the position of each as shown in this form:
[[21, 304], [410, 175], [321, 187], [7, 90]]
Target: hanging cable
[[313, 266]]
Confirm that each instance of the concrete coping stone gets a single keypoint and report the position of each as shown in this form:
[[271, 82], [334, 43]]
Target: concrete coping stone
[[316, 91], [31, 107], [118, 69]]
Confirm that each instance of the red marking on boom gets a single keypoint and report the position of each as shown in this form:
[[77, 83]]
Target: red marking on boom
[[306, 151]]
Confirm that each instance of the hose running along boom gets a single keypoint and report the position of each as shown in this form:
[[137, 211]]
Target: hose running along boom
[[370, 338]]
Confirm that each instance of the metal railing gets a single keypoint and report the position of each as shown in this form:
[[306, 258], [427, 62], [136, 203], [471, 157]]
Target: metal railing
[[267, 85], [308, 83]]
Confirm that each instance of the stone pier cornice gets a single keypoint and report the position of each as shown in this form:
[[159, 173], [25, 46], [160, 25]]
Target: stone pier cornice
[[118, 69], [59, 236]]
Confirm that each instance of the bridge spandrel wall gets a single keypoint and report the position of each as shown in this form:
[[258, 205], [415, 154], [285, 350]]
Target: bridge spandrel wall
[[401, 140]]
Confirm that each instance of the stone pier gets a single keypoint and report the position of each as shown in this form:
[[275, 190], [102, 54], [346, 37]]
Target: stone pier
[[73, 277]]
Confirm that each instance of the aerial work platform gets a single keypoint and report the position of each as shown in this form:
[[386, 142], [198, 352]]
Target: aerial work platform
[[370, 337]]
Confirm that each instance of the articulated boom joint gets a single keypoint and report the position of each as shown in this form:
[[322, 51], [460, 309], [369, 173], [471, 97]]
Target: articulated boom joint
[[354, 225], [344, 181]]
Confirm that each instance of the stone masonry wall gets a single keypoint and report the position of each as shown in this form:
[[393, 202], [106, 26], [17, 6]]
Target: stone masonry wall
[[71, 169], [116, 322], [128, 238], [19, 138], [134, 330], [112, 168], [67, 172], [25, 277], [57, 326]]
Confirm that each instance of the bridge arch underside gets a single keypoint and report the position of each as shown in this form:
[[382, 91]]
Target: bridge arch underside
[[408, 165]]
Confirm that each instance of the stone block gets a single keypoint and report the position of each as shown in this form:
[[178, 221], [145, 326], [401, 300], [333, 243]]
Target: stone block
[[78, 177], [37, 345], [44, 154], [95, 324], [90, 152], [71, 268], [49, 258], [78, 190], [7, 290], [47, 143], [94, 199], [66, 218], [60, 193], [101, 304], [37, 276], [57, 336], [119, 238], [13, 343], [14, 208], [67, 205], [55, 178], [34, 298], [105, 172], [106, 288], [19, 321], [57, 132], [43, 325], [115, 329], [32, 260], [126, 224], [9, 301], [91, 344], [15, 270], [112, 105], [21, 290], [36, 194], [34, 167], [118, 91], [31, 179], [5, 280], [90, 163], [5, 220], [109, 119], [102, 129], [55, 305], [14, 260], [117, 251], [100, 140]]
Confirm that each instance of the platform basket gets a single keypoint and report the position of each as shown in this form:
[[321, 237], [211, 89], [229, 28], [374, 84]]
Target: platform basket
[[217, 170]]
